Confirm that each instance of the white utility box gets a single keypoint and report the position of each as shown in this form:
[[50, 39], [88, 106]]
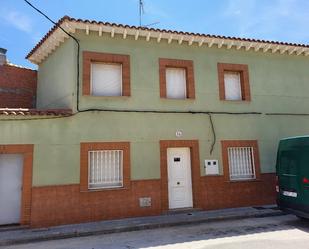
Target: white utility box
[[211, 167]]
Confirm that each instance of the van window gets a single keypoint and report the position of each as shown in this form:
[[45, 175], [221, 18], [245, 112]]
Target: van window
[[288, 162]]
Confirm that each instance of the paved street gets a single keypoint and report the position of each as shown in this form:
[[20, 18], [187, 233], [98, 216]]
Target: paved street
[[272, 232]]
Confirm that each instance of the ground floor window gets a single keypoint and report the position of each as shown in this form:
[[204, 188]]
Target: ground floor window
[[105, 169], [241, 163], [240, 159], [105, 165]]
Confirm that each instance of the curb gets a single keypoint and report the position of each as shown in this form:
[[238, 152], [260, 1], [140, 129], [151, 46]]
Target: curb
[[139, 227]]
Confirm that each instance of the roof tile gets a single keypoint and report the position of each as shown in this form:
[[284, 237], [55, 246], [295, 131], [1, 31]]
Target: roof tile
[[35, 112]]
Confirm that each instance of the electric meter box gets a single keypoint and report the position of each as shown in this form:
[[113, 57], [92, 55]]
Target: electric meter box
[[211, 167]]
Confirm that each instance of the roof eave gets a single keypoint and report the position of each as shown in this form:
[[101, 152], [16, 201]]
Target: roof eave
[[56, 36]]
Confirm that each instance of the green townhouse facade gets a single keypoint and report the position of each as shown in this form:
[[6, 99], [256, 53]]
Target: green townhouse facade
[[135, 121]]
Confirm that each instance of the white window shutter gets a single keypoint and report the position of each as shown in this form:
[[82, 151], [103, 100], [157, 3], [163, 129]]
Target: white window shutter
[[176, 83], [232, 86], [106, 79]]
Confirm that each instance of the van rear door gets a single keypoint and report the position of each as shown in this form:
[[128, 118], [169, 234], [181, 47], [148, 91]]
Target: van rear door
[[289, 174], [304, 175]]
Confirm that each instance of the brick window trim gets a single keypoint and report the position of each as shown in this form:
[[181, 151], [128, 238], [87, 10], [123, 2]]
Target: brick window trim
[[96, 57], [244, 79], [175, 63], [225, 144], [195, 170], [27, 151], [84, 168]]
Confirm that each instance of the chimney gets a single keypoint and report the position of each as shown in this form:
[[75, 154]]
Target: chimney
[[2, 56]]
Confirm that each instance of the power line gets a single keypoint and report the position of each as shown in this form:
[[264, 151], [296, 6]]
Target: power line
[[73, 37]]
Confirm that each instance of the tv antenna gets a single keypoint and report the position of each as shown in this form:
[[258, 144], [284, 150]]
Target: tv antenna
[[141, 12]]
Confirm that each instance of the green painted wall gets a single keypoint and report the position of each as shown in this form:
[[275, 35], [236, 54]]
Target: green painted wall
[[279, 83], [57, 78], [57, 141]]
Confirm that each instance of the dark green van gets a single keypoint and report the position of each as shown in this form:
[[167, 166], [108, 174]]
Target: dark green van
[[293, 176]]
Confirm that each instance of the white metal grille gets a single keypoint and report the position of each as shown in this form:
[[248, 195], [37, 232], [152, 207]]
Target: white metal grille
[[105, 169], [241, 163]]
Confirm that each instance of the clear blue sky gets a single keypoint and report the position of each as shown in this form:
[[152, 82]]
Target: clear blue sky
[[284, 20]]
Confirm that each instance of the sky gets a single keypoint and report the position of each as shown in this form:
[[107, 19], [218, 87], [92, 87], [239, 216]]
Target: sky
[[282, 20]]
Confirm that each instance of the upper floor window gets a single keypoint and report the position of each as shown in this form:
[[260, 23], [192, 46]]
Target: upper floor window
[[176, 83], [233, 82], [106, 74], [232, 86], [176, 79], [106, 79]]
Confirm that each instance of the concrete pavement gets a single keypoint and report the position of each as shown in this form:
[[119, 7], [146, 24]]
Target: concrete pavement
[[20, 236], [276, 232]]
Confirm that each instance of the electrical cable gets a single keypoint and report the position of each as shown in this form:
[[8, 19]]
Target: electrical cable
[[213, 134], [74, 38], [286, 114], [180, 112]]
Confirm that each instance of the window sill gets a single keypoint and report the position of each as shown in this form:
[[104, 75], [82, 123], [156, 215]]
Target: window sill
[[106, 97], [244, 181], [172, 99], [212, 175], [104, 189], [235, 101]]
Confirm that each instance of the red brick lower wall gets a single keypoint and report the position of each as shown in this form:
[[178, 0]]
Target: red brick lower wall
[[56, 205], [219, 193]]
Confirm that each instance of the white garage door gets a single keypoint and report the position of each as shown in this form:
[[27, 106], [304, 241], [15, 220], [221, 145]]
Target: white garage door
[[11, 166]]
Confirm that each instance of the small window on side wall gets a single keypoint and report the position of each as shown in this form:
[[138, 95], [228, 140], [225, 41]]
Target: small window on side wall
[[106, 79], [176, 79], [106, 74], [234, 82]]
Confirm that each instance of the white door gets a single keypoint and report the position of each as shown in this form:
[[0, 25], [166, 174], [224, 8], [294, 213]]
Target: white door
[[11, 166], [179, 178]]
